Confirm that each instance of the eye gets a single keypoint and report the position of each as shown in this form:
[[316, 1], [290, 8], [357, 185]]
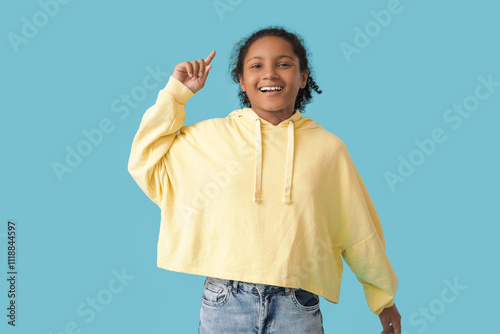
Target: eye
[[281, 64]]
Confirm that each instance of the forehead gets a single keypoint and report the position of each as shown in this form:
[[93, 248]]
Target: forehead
[[268, 46]]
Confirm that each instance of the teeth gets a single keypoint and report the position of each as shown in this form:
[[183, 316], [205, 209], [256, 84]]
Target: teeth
[[262, 89]]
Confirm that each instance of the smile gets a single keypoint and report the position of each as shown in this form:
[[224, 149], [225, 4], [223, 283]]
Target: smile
[[268, 89]]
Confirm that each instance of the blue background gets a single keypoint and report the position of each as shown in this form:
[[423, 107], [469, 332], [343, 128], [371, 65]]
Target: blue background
[[74, 234]]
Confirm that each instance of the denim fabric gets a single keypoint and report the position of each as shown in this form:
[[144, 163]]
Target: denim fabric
[[238, 307]]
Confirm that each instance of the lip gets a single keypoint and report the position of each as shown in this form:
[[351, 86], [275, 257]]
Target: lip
[[271, 93]]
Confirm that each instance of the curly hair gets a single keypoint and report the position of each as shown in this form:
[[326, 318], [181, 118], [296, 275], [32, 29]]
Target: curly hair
[[240, 51]]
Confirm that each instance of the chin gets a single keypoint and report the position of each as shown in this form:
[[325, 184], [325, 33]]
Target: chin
[[272, 107]]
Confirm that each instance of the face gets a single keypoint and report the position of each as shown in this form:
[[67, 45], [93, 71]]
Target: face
[[271, 62]]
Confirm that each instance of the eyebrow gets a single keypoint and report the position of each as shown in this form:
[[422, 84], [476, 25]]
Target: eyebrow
[[277, 57]]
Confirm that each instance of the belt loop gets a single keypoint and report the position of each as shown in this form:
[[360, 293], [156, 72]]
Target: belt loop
[[234, 285]]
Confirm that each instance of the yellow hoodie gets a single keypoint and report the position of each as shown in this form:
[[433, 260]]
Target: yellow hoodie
[[247, 200]]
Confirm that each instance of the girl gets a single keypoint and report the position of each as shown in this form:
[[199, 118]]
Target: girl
[[264, 202]]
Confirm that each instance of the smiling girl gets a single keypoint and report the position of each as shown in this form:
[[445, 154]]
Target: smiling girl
[[265, 202]]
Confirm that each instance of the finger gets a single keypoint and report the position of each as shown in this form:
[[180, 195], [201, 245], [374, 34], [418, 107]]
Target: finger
[[207, 69], [189, 68], [201, 67], [196, 66], [386, 327], [397, 327], [210, 57]]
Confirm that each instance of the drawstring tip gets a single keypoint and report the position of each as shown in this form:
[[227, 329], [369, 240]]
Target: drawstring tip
[[256, 200], [287, 201]]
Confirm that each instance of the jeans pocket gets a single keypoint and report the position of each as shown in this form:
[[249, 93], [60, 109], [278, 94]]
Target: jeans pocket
[[215, 294], [305, 300]]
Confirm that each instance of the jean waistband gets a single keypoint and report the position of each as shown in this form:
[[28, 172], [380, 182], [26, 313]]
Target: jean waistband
[[236, 285]]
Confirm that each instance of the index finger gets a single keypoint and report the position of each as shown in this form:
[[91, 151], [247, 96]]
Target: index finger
[[210, 57], [397, 327]]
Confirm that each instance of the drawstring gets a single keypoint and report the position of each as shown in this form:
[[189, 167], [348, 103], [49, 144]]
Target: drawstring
[[258, 162], [289, 165]]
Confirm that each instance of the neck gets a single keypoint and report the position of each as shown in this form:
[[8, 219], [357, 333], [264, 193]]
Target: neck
[[274, 117]]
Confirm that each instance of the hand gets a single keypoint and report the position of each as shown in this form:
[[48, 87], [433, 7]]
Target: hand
[[194, 74], [391, 320]]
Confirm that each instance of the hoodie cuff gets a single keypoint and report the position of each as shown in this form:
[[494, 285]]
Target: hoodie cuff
[[178, 90], [389, 304]]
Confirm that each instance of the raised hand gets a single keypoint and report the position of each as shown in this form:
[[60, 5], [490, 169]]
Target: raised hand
[[194, 74]]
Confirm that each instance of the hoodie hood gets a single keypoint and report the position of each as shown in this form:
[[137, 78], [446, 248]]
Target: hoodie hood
[[296, 121]]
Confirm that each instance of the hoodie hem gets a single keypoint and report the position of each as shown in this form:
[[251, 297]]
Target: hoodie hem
[[197, 270]]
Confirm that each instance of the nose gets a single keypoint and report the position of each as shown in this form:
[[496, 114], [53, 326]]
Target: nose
[[270, 73]]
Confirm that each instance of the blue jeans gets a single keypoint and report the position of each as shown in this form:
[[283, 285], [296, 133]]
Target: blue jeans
[[235, 307]]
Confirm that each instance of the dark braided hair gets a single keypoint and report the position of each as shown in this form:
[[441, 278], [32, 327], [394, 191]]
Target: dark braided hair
[[240, 51]]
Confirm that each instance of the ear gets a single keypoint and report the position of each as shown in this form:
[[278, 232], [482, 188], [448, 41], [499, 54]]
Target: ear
[[305, 75], [242, 84]]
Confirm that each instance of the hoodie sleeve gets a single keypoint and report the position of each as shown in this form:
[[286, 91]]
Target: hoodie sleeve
[[361, 236], [157, 131]]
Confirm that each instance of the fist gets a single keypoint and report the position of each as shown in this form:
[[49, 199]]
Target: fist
[[193, 74]]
